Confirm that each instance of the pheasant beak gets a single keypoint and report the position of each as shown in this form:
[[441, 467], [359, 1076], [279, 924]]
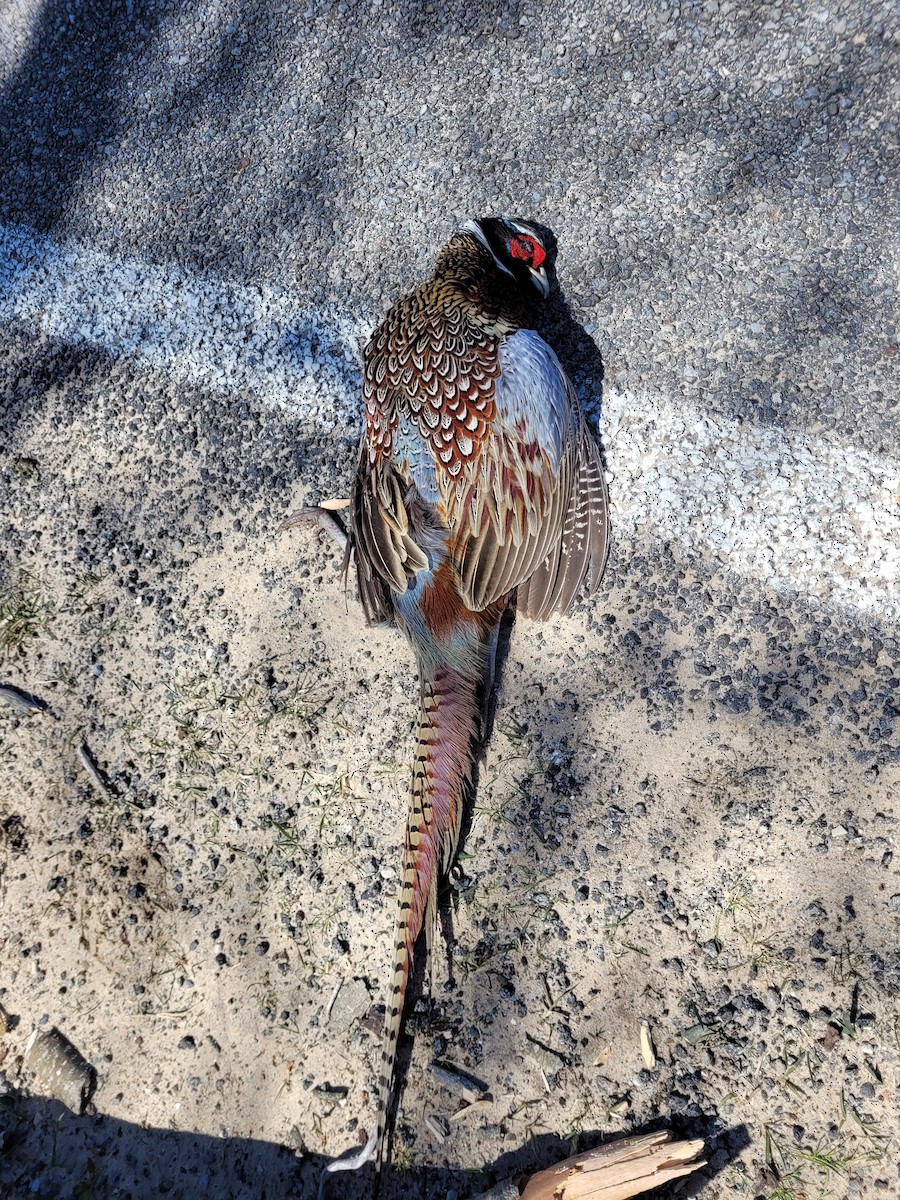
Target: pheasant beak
[[540, 280]]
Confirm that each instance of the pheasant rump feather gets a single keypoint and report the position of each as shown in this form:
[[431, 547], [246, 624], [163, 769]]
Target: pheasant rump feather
[[478, 486]]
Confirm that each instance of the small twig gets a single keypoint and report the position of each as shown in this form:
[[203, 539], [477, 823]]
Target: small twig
[[334, 995], [97, 777]]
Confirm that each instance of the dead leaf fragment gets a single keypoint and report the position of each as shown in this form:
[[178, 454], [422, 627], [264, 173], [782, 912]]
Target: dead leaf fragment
[[603, 1055], [831, 1036]]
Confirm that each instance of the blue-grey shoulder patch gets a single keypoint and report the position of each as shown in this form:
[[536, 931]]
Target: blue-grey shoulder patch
[[532, 388]]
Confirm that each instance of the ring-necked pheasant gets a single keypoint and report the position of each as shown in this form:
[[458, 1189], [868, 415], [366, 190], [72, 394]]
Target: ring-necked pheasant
[[478, 486]]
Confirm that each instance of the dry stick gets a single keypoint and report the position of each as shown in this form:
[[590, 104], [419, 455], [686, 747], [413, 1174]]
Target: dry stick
[[618, 1170], [334, 995], [97, 777]]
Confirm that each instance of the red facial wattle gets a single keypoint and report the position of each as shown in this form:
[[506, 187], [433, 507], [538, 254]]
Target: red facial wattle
[[527, 250]]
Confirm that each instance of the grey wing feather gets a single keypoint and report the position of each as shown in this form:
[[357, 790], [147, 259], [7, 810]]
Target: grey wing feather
[[579, 556]]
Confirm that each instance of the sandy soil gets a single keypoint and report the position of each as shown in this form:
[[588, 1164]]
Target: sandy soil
[[687, 814], [669, 827]]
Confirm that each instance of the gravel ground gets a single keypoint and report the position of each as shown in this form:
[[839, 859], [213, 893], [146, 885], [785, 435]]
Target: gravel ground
[[688, 810]]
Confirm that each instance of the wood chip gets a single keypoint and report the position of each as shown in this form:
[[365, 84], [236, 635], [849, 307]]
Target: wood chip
[[618, 1170], [457, 1081], [59, 1070], [647, 1052], [438, 1127], [467, 1108]]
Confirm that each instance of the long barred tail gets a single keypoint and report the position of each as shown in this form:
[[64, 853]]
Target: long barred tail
[[450, 730], [450, 733]]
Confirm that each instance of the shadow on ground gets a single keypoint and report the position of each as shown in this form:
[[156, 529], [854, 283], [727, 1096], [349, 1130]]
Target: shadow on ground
[[48, 1152]]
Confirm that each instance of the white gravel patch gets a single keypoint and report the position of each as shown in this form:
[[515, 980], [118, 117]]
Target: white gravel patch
[[802, 513], [226, 337]]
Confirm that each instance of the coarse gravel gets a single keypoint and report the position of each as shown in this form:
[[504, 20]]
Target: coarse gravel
[[688, 811]]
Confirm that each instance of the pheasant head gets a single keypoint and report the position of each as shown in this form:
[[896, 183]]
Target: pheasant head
[[517, 249], [497, 263]]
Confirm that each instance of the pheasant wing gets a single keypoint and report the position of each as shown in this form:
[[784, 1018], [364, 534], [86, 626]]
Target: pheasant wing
[[383, 538], [578, 557], [533, 505]]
